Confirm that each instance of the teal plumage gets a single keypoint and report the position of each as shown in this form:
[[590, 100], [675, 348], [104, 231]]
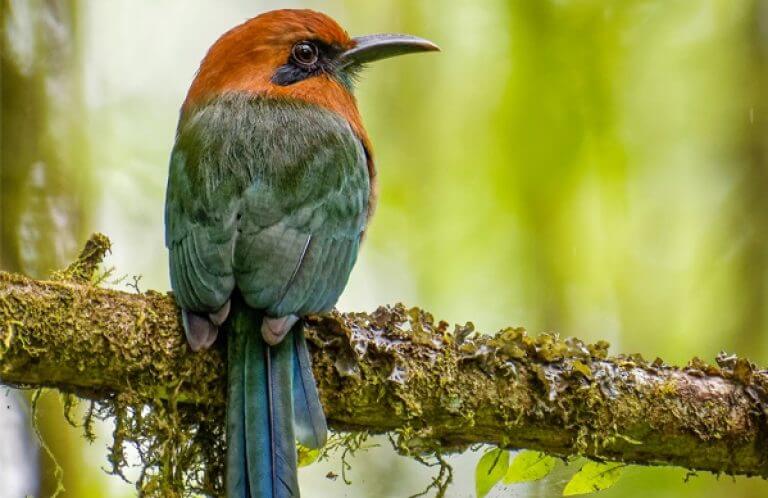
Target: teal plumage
[[281, 226], [270, 187]]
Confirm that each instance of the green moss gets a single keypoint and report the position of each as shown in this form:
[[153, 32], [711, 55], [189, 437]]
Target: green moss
[[436, 389], [179, 443]]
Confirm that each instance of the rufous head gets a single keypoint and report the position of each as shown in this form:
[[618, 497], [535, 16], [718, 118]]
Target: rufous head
[[295, 54]]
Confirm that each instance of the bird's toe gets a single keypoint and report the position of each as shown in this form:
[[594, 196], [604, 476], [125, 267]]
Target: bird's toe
[[201, 333], [273, 330]]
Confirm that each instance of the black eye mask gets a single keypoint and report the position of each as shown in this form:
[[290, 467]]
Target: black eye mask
[[295, 70]]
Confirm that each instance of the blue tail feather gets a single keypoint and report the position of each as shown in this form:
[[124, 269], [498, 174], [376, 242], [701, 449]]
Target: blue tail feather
[[261, 454], [309, 419], [236, 468]]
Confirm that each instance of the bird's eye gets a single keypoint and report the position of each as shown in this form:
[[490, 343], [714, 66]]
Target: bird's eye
[[305, 53]]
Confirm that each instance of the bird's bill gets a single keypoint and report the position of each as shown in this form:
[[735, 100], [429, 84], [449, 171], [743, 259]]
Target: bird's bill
[[383, 46]]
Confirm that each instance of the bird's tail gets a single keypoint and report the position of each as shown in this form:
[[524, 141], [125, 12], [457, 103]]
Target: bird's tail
[[265, 382]]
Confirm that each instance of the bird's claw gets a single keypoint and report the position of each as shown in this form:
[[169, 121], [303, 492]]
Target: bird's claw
[[273, 330]]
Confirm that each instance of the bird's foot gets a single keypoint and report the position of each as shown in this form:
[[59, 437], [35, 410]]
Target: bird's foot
[[273, 330], [200, 331], [220, 316]]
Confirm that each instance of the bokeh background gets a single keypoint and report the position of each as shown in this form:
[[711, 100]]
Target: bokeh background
[[596, 168]]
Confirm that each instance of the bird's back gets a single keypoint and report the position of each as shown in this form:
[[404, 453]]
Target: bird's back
[[269, 196]]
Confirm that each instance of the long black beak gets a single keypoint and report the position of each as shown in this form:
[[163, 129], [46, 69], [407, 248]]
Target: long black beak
[[376, 47]]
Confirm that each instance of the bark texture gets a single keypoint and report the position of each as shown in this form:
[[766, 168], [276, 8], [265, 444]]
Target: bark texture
[[437, 388]]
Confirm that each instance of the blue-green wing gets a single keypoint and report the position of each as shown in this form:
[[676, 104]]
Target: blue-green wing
[[268, 196], [200, 236]]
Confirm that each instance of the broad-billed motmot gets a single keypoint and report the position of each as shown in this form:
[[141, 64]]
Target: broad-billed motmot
[[271, 185]]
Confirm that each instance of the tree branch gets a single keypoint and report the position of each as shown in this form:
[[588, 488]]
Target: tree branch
[[397, 370]]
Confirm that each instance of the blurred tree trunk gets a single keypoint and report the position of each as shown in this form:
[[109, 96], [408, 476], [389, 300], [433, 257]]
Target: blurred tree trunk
[[44, 176], [557, 125], [752, 213]]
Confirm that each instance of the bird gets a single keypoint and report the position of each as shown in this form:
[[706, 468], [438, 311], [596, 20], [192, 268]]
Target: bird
[[271, 186]]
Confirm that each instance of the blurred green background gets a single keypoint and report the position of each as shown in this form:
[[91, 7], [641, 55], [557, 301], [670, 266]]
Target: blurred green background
[[596, 168]]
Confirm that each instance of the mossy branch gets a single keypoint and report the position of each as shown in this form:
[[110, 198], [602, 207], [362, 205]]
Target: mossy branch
[[395, 370]]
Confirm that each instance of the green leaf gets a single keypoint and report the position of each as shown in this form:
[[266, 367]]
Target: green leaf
[[490, 469], [306, 456], [529, 466], [593, 476]]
